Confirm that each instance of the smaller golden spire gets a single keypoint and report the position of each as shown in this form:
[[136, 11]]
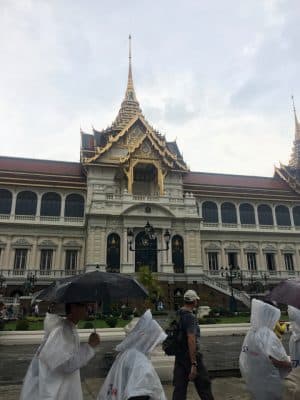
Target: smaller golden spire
[[297, 124]]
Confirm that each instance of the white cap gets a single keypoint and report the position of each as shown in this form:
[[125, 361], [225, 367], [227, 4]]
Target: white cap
[[191, 295]]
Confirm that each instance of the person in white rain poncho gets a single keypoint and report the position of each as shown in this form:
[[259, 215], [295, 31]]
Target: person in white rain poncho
[[292, 381], [54, 371], [263, 360], [132, 375]]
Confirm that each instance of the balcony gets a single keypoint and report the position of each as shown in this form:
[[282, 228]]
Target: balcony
[[38, 220], [215, 226]]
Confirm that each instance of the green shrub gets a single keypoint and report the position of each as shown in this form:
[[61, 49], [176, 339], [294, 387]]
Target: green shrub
[[22, 325], [88, 325], [111, 321]]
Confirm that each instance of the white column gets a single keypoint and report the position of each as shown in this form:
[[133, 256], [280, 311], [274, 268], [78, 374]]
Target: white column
[[6, 258], [13, 204], [62, 206], [274, 216], [38, 206], [238, 218], [256, 215], [219, 214]]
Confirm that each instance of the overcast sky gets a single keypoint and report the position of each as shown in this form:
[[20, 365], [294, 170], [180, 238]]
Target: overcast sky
[[216, 74]]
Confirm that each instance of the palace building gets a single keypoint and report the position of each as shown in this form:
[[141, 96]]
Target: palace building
[[223, 235]]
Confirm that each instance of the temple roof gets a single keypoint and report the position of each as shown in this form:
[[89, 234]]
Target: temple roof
[[226, 185]]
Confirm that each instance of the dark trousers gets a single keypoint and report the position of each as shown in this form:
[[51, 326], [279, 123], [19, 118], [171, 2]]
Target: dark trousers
[[202, 382], [139, 398]]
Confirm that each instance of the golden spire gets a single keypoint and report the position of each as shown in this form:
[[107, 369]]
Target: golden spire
[[295, 157], [130, 107], [130, 93]]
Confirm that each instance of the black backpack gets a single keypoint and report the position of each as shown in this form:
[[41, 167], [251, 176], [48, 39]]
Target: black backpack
[[172, 345]]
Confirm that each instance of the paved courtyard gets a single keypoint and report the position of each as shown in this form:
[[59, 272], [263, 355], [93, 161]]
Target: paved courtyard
[[223, 388]]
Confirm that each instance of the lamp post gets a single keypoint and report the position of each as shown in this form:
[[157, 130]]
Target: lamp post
[[265, 277], [29, 283], [232, 273], [150, 236]]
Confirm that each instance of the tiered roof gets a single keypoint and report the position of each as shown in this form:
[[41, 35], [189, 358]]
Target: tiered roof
[[93, 145]]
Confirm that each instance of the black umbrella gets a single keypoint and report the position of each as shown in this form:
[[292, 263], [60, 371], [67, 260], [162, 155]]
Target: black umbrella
[[92, 287], [286, 292]]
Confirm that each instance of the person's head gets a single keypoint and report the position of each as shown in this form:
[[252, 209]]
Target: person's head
[[76, 311], [191, 298]]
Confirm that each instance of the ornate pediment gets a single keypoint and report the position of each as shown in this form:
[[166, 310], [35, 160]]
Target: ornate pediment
[[213, 246], [72, 244], [269, 247], [21, 243], [47, 244]]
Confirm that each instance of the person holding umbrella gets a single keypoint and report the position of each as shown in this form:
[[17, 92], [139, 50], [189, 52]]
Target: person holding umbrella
[[263, 360], [292, 381], [54, 371]]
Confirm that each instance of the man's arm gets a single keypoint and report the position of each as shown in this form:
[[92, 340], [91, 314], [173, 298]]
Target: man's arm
[[280, 364], [191, 340]]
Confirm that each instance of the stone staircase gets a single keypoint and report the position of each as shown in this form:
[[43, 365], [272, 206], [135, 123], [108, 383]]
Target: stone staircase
[[224, 288]]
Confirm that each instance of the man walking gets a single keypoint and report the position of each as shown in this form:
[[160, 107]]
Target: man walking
[[188, 361]]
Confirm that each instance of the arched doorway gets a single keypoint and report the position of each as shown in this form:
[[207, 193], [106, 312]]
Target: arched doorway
[[113, 253], [145, 252], [177, 254]]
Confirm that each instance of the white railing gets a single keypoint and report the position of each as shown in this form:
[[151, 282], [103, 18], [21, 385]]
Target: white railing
[[38, 273], [226, 289], [36, 219]]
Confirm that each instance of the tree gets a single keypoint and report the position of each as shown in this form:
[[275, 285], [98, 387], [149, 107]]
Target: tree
[[151, 283]]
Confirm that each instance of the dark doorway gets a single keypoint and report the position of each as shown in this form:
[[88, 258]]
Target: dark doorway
[[177, 254], [113, 253], [232, 260], [146, 252]]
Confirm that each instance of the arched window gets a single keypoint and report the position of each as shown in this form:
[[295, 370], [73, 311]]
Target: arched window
[[5, 201], [282, 216], [74, 206], [177, 254], [296, 215], [228, 212], [113, 253], [247, 214], [26, 203], [51, 203], [210, 212], [265, 216]]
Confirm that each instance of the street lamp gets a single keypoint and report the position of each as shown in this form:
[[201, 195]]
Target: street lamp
[[231, 273], [29, 283], [265, 277], [150, 236]]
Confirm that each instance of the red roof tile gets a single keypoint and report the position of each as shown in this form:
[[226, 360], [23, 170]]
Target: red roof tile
[[238, 181], [36, 166]]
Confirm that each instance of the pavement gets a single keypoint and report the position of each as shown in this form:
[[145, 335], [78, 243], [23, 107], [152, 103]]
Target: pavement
[[223, 389]]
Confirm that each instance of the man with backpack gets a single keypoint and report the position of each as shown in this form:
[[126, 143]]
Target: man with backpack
[[188, 359]]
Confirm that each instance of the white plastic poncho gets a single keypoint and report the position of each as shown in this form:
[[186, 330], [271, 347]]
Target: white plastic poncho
[[263, 379], [292, 381], [54, 371], [132, 374]]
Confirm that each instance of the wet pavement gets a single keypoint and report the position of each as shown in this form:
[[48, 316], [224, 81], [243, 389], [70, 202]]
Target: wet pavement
[[223, 389]]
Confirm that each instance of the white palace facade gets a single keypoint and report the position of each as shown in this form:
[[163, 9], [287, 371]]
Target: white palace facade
[[60, 218]]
